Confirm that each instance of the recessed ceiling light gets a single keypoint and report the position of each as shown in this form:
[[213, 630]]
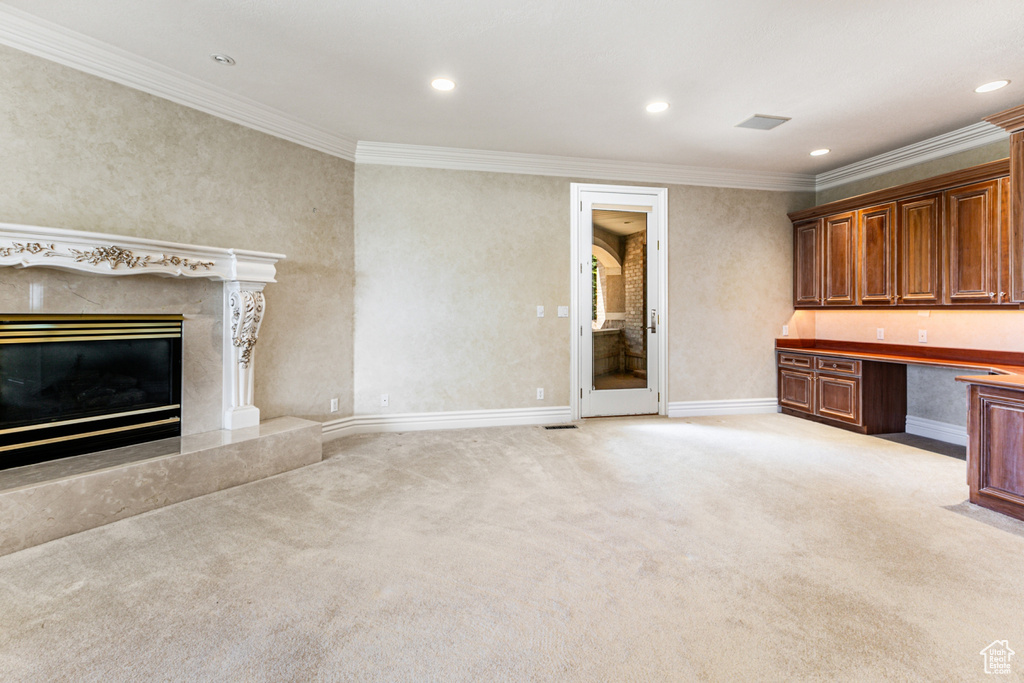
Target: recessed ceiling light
[[994, 85], [442, 84], [820, 152], [223, 59], [657, 107]]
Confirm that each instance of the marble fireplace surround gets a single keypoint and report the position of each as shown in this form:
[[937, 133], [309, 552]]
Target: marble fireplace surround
[[223, 442], [243, 275]]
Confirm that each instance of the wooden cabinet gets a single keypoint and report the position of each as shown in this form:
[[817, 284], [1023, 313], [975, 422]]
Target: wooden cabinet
[[796, 390], [972, 244], [807, 263], [864, 396], [839, 274], [919, 244], [876, 237], [839, 398], [995, 455], [944, 241]]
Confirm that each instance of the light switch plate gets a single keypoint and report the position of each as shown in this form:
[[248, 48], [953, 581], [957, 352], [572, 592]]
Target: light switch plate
[[540, 311], [563, 311], [785, 330], [880, 333]]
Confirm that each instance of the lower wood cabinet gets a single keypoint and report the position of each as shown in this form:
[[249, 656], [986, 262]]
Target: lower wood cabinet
[[995, 452], [864, 396]]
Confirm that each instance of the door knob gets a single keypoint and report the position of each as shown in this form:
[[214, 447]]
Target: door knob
[[654, 317]]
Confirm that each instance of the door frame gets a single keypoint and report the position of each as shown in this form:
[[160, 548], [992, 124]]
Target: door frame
[[658, 196]]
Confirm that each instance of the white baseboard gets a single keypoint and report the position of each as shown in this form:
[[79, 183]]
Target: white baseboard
[[462, 419], [738, 406], [940, 431]]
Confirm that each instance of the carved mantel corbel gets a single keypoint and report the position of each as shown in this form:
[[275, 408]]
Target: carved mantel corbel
[[244, 314]]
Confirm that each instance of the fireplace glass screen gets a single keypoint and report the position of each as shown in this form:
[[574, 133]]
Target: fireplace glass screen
[[76, 384]]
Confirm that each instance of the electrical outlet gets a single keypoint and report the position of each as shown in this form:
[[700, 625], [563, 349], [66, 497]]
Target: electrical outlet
[[334, 405], [540, 393], [880, 333], [540, 311], [785, 330], [384, 401], [922, 336]]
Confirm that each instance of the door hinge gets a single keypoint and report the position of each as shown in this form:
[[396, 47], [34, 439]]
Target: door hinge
[[581, 393], [581, 330], [659, 245], [581, 206], [659, 397]]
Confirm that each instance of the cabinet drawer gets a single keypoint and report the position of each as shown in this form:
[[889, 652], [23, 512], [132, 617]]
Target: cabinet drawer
[[796, 390], [838, 398], [794, 360], [837, 365]]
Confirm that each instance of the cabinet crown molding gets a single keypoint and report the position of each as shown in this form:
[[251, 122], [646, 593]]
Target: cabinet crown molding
[[1011, 120]]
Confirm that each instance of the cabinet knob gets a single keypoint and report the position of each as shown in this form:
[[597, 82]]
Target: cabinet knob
[[991, 294], [834, 365]]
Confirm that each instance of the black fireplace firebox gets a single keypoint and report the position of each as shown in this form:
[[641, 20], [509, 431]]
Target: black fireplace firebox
[[73, 384]]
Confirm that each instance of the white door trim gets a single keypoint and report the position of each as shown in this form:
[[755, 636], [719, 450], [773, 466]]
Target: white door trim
[[659, 196]]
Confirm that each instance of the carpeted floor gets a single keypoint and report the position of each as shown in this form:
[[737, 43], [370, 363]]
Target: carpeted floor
[[728, 549]]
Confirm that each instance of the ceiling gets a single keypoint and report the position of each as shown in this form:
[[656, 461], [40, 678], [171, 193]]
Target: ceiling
[[621, 223], [571, 79]]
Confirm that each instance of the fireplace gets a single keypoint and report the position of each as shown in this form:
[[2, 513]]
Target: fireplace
[[72, 384]]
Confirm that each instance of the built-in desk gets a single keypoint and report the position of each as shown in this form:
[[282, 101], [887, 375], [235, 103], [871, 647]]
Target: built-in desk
[[862, 387]]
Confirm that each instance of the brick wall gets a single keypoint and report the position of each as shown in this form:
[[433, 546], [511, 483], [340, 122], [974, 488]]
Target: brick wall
[[634, 273]]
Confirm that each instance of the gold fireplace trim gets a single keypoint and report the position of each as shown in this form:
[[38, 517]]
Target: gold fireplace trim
[[94, 418], [100, 432], [28, 329]]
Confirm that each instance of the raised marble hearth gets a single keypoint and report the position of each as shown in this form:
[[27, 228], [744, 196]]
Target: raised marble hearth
[[49, 500]]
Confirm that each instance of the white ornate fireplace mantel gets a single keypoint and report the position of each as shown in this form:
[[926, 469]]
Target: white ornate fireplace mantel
[[244, 274]]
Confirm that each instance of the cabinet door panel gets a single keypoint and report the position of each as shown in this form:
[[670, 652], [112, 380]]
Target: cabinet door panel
[[796, 390], [840, 250], [919, 229], [972, 243], [877, 237], [839, 398], [807, 264]]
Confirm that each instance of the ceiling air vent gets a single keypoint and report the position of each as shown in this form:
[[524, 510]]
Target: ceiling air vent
[[763, 122]]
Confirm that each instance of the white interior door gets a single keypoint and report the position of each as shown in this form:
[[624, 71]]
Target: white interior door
[[619, 314]]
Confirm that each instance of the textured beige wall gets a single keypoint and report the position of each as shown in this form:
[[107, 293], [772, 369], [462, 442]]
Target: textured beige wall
[[730, 289], [934, 394], [452, 264], [953, 162], [450, 269], [83, 153]]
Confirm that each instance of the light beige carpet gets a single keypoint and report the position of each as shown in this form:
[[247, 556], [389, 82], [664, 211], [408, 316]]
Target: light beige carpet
[[732, 549]]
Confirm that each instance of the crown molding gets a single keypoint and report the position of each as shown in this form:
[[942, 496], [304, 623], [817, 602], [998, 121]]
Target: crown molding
[[450, 158], [960, 140], [30, 34]]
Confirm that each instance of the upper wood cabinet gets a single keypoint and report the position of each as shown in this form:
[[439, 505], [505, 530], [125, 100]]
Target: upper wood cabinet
[[972, 244], [944, 241], [840, 273], [919, 244], [877, 254], [807, 263]]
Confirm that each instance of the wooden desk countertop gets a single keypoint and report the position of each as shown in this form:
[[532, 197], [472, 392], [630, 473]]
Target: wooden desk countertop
[[1005, 368]]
